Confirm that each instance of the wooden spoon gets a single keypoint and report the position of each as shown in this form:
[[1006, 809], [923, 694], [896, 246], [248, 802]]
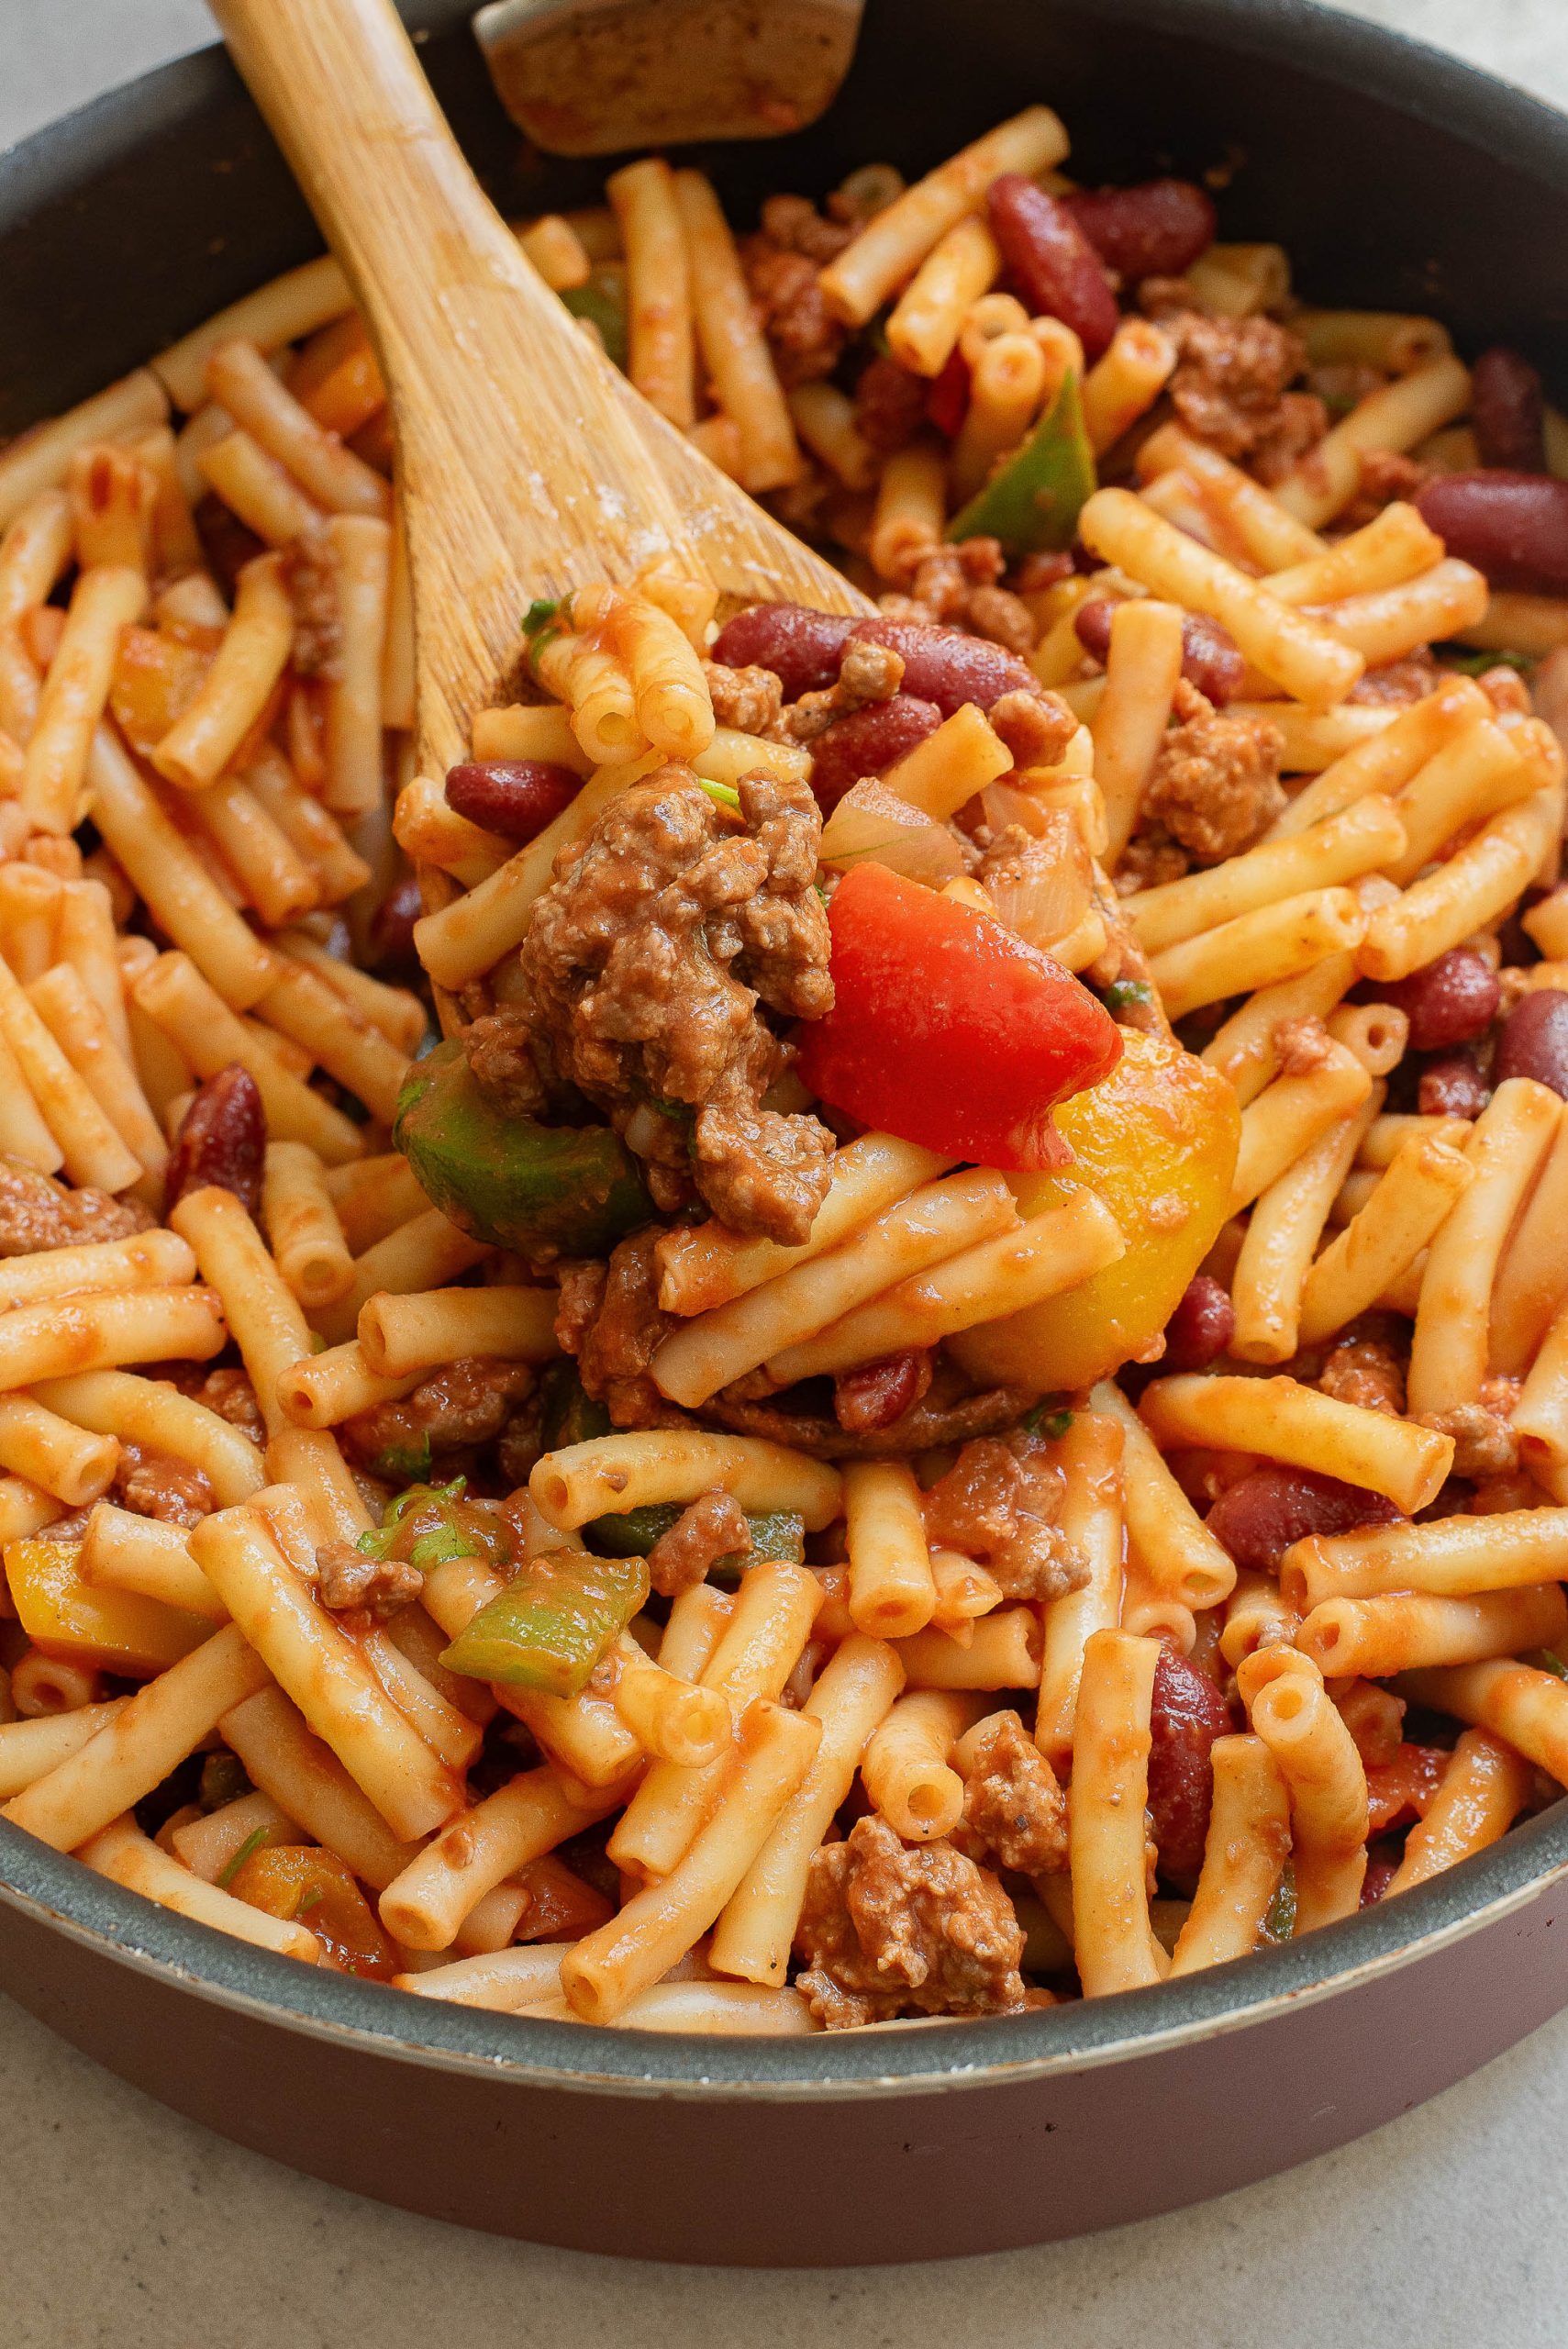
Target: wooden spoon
[[528, 464]]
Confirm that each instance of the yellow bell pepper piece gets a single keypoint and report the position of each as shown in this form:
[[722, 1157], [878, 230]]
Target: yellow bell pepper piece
[[116, 1631], [1157, 1142]]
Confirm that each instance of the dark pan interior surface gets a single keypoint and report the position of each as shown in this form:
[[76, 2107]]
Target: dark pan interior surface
[[1395, 179]]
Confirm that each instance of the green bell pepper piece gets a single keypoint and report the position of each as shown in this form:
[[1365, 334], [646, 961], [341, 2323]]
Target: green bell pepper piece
[[604, 306], [542, 1190], [1279, 1925], [1033, 503], [568, 1414], [551, 1625], [780, 1533]]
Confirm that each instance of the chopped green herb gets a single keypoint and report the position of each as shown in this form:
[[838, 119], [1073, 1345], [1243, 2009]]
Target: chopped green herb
[[1122, 993], [1547, 1660], [541, 624], [1476, 665], [254, 1843], [405, 1464], [604, 306], [722, 793], [307, 1899], [223, 1780], [1279, 1925], [1049, 1416], [432, 1514]]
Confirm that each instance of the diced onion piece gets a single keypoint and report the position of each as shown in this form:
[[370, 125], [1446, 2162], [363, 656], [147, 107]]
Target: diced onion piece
[[873, 825]]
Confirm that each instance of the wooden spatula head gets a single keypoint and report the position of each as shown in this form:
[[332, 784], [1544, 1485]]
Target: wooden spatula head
[[527, 465]]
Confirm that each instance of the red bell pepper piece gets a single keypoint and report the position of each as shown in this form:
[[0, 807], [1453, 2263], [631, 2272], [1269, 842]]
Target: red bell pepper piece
[[947, 1029]]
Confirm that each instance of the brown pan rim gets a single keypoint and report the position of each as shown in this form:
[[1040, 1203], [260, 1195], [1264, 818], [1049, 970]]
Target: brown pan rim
[[127, 1929]]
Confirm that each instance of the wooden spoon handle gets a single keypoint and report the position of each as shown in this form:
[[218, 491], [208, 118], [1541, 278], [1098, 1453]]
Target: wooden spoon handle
[[344, 91]]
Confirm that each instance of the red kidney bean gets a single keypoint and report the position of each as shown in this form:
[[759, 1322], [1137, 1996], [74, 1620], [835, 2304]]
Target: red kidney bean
[[944, 666], [878, 1393], [391, 939], [1258, 1518], [868, 741], [1450, 1001], [1533, 1040], [1512, 525], [227, 544], [1211, 659], [801, 646], [1186, 1716], [517, 797], [1452, 1088], [1155, 230], [946, 402], [1380, 1874], [222, 1139], [1507, 409], [1050, 260], [1201, 1327], [890, 403]]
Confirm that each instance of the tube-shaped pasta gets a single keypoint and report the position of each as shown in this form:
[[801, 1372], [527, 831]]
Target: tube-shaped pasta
[[1299, 653], [734, 348], [774, 1751], [1526, 1707], [151, 1412], [1112, 1939], [248, 665], [1142, 667], [1290, 1711], [669, 1718], [934, 1222], [911, 506], [425, 1251], [1091, 1453], [1395, 417], [923, 328], [239, 379], [891, 1591], [320, 1666], [757, 1651], [1396, 545], [662, 355], [1281, 1420], [1175, 1550], [302, 1226], [1290, 1114], [1404, 1630], [193, 1015], [1047, 1254], [1126, 381], [425, 1907], [623, 1472], [135, 1751], [72, 1464], [1402, 1215], [1389, 758], [1361, 839], [1483, 1789], [173, 884], [1467, 893], [1448, 1351], [1244, 1856], [75, 691], [123, 1551], [83, 1035], [1451, 1557], [1533, 1275], [1257, 949], [1285, 1226], [907, 1766], [850, 1698], [122, 1852], [361, 552]]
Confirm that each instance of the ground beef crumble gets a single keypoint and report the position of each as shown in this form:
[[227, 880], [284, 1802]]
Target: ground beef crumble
[[37, 1212], [1303, 1045], [310, 582], [465, 1404], [1366, 1371], [1484, 1442], [887, 1931], [647, 961], [346, 1579], [713, 1527], [1015, 1813], [1215, 785], [784, 262], [615, 1325], [998, 1503], [1229, 388], [154, 1486]]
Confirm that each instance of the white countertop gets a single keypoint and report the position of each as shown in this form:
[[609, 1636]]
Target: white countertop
[[122, 2225]]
